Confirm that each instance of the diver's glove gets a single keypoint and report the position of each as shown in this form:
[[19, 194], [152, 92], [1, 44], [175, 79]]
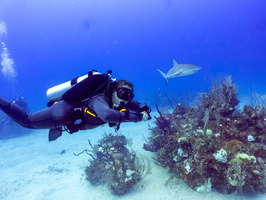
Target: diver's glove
[[145, 116], [145, 110]]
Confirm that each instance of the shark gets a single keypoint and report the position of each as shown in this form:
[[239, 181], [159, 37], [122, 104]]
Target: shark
[[179, 70]]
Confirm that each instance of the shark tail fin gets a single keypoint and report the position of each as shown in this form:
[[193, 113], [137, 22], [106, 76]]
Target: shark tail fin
[[164, 75]]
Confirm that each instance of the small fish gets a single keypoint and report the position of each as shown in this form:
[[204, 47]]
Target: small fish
[[180, 70]]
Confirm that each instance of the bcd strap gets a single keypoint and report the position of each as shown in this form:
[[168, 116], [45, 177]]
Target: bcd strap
[[86, 110], [119, 123], [78, 119], [126, 113]]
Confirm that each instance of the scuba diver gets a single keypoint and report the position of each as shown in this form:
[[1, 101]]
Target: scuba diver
[[89, 103]]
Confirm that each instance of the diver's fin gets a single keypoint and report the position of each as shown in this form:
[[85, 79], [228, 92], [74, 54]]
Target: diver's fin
[[55, 133]]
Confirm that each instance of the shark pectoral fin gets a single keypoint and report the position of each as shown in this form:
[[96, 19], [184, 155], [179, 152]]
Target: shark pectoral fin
[[164, 76]]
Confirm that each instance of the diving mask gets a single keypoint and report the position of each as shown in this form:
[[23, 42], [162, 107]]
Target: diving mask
[[125, 94]]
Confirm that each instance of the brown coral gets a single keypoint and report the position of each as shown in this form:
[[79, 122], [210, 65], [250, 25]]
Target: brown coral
[[188, 151], [234, 145]]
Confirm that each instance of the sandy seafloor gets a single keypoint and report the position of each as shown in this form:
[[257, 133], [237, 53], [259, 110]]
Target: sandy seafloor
[[33, 168]]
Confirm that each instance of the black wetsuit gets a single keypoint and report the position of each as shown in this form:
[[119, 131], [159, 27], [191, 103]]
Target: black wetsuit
[[90, 114]]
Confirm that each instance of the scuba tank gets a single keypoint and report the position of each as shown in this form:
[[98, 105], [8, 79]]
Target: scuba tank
[[80, 88], [56, 92]]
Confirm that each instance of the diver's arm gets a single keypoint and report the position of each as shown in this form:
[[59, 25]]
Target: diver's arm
[[109, 115], [138, 107]]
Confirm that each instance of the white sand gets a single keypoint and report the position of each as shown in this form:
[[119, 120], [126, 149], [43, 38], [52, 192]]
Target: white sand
[[33, 168]]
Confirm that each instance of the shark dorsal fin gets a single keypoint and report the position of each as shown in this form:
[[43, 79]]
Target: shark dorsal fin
[[174, 62]]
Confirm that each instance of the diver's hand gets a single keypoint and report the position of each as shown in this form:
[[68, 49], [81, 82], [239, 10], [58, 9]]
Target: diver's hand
[[145, 116]]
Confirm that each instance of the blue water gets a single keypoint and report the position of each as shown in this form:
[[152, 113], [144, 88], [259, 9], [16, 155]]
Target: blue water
[[47, 42], [53, 41]]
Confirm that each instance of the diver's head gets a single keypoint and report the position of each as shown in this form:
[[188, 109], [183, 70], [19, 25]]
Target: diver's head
[[123, 92]]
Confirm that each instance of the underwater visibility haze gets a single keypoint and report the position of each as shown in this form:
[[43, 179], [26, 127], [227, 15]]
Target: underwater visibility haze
[[48, 42]]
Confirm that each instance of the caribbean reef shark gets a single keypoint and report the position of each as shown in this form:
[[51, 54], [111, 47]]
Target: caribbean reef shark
[[180, 70]]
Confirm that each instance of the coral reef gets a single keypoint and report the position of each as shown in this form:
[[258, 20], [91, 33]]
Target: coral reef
[[113, 164], [213, 145]]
